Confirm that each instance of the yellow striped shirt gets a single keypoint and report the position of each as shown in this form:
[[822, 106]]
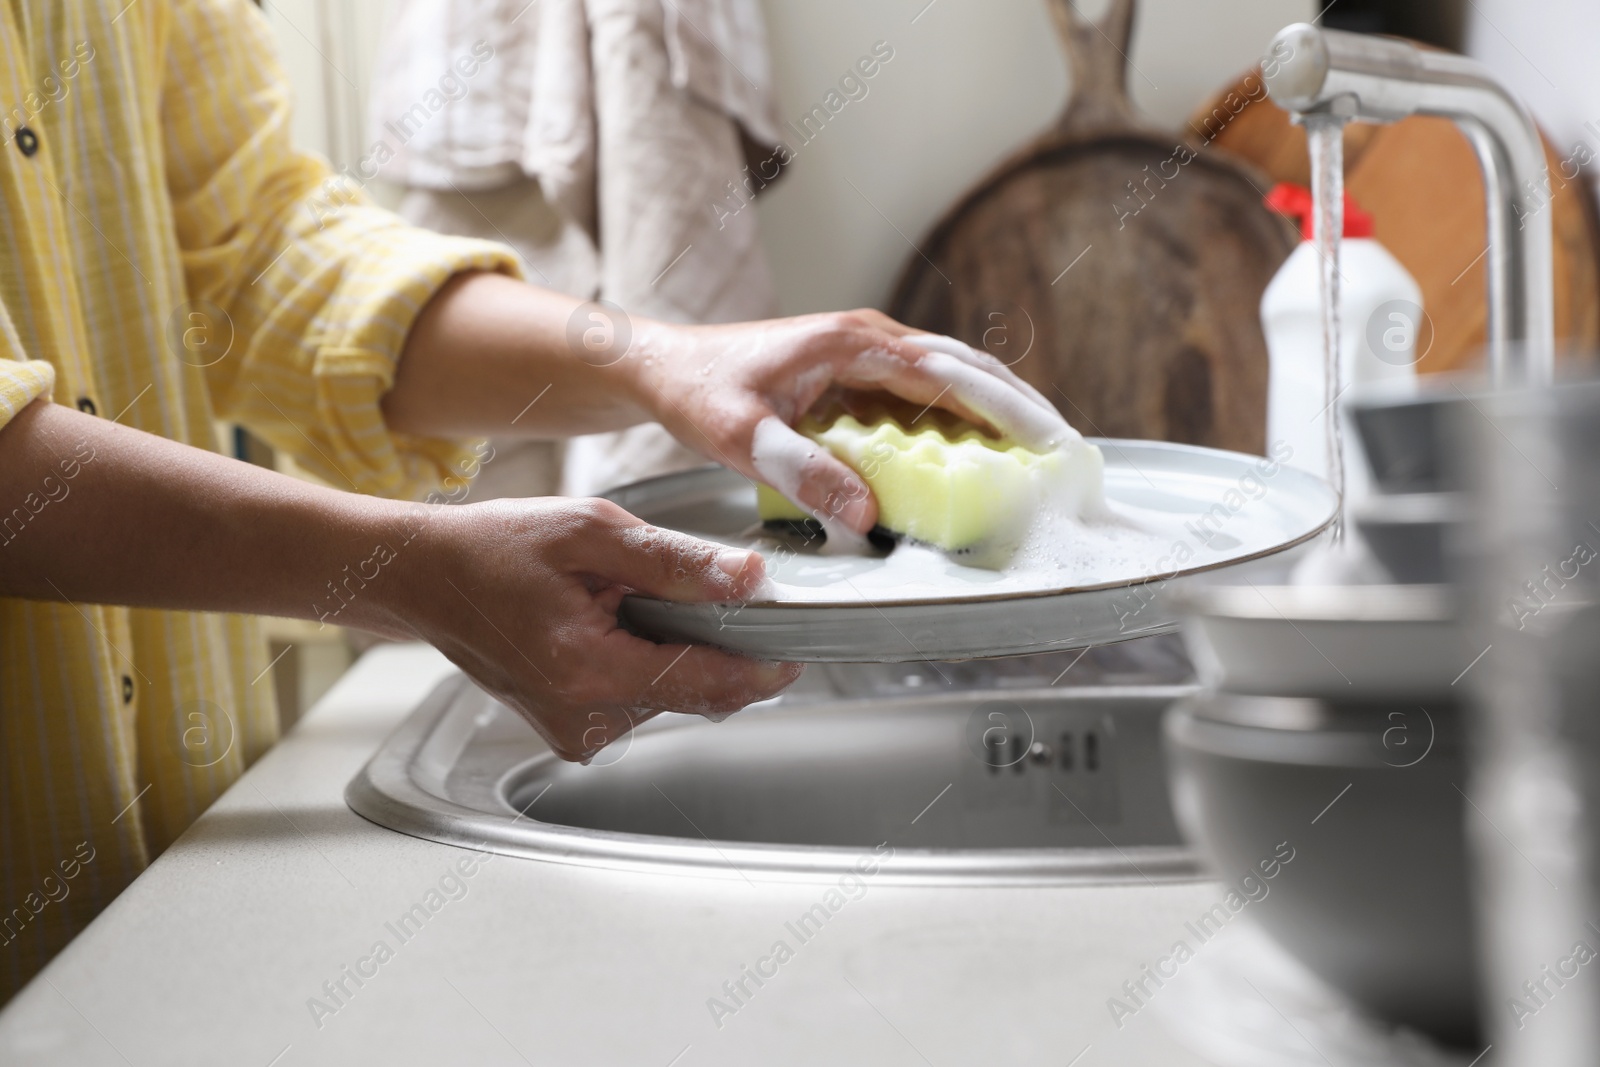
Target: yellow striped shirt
[[148, 190]]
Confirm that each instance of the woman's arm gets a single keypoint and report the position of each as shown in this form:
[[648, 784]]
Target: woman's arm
[[520, 594], [486, 347]]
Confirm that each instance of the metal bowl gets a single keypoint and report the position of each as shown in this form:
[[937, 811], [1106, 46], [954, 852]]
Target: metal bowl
[[1346, 643], [1408, 533], [1405, 436], [1375, 898]]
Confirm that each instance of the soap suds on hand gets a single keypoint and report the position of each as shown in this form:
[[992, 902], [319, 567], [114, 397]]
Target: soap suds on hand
[[780, 456]]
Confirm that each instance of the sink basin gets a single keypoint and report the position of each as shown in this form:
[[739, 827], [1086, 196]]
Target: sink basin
[[1031, 785]]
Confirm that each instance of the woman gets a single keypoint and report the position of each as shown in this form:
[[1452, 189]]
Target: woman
[[170, 261]]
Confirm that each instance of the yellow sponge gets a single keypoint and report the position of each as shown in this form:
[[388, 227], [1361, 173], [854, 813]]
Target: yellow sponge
[[944, 483]]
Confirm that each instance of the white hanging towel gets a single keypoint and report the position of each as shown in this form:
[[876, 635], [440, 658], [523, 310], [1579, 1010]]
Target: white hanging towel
[[632, 116]]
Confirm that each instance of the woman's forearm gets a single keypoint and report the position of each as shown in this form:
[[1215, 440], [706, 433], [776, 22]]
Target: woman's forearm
[[490, 355], [96, 512], [521, 594]]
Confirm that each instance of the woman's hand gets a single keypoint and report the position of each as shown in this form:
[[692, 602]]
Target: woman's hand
[[490, 355], [734, 393], [523, 596]]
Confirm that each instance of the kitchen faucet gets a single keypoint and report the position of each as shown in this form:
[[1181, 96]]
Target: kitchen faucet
[[1312, 71]]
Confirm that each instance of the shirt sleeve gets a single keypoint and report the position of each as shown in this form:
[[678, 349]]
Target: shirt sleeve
[[318, 287], [21, 383], [22, 380]]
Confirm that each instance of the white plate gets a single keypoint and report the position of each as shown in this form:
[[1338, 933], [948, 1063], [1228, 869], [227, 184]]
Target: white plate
[[1193, 513]]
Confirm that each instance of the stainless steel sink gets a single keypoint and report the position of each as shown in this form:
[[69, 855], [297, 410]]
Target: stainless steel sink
[[995, 785]]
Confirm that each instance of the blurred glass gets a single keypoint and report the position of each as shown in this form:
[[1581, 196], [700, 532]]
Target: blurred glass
[[1528, 564]]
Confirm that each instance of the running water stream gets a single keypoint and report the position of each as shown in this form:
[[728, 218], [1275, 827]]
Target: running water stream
[[1325, 134]]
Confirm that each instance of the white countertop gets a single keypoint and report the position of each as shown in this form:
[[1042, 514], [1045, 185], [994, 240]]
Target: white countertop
[[214, 953]]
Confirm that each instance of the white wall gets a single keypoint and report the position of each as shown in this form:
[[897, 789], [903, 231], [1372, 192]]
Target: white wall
[[1545, 51], [329, 49], [970, 81]]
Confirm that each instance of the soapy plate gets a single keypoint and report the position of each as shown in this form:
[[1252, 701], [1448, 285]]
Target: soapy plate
[[1186, 515]]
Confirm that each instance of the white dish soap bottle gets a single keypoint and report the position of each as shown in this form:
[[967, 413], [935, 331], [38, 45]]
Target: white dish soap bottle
[[1381, 318]]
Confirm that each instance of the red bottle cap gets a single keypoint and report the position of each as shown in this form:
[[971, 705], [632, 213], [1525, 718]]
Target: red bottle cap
[[1294, 201]]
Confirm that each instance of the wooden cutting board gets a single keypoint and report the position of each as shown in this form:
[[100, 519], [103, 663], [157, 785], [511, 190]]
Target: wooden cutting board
[[1420, 181], [1117, 267]]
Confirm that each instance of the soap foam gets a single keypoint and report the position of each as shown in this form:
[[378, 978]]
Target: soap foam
[[1061, 551], [1070, 537]]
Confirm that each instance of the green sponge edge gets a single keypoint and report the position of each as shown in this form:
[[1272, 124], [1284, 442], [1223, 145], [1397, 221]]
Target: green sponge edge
[[773, 506]]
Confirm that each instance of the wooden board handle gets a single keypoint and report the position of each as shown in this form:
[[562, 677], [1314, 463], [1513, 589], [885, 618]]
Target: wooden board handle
[[1097, 59]]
